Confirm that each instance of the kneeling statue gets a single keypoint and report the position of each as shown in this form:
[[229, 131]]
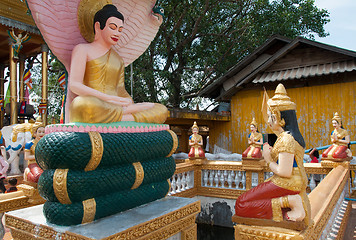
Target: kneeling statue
[[340, 139], [281, 200]]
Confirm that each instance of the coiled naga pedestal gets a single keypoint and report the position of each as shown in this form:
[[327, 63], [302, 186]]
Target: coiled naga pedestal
[[90, 175]]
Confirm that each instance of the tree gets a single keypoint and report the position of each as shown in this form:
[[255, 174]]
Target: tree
[[199, 40], [55, 92]]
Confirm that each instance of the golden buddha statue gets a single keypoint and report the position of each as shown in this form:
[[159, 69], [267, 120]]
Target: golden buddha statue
[[281, 200], [98, 82], [255, 141], [340, 140], [196, 144]]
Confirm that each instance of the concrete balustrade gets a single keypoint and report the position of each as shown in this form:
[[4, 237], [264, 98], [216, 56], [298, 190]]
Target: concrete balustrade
[[213, 180]]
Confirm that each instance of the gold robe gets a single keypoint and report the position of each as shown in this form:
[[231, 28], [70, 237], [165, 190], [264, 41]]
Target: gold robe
[[106, 74], [297, 182]]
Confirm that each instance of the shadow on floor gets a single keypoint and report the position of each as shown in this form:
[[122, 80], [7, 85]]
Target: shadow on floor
[[209, 232]]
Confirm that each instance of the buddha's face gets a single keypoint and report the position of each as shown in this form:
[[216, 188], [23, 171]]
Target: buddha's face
[[39, 133], [253, 128], [112, 30], [336, 124]]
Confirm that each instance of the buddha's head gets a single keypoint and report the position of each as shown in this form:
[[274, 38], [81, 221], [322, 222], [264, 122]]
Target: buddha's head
[[108, 24]]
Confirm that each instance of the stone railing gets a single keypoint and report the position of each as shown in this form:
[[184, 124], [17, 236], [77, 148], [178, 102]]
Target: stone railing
[[329, 212], [329, 184], [228, 180]]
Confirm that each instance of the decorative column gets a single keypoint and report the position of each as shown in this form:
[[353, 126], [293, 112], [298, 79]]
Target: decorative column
[[44, 83], [2, 94], [13, 85], [21, 83]]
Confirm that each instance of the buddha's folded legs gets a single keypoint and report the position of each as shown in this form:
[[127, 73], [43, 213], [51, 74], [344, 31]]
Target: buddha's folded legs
[[157, 114], [90, 109]]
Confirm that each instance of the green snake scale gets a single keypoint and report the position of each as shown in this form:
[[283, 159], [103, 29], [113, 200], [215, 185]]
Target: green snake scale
[[72, 214], [84, 185], [105, 189], [69, 150]]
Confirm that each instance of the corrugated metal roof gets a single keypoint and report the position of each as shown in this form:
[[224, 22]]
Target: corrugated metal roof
[[306, 71]]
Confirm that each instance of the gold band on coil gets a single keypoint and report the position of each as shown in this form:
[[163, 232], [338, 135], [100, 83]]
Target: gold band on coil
[[140, 174], [170, 186], [175, 142], [60, 186], [285, 202], [97, 149], [89, 210]]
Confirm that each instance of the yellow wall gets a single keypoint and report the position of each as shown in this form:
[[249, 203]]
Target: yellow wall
[[315, 108]]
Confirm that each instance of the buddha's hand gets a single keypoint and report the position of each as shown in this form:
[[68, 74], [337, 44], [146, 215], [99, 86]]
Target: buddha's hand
[[266, 152], [124, 102]]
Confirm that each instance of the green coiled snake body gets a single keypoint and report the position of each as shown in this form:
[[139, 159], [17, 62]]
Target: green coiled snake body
[[86, 179]]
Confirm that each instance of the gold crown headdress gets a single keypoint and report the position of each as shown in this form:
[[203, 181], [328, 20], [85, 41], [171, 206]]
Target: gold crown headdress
[[254, 123], [86, 13], [195, 125], [279, 102], [337, 118]]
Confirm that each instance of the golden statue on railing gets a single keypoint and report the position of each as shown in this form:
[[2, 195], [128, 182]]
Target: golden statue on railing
[[196, 144], [281, 200], [340, 139], [255, 141]]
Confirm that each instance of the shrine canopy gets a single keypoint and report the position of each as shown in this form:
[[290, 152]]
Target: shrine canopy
[[14, 15]]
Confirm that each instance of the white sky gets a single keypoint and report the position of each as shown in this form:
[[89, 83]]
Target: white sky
[[342, 25]]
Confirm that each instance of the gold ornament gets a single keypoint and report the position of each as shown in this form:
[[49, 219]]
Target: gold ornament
[[279, 102], [97, 150], [254, 123], [86, 13], [285, 202], [89, 210], [140, 175], [60, 186], [337, 118], [195, 126], [175, 142]]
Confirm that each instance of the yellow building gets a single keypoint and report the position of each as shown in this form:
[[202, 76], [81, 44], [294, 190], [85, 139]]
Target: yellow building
[[319, 78]]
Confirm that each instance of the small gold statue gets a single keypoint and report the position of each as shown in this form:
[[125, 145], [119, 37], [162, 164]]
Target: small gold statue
[[255, 141], [340, 139], [196, 144]]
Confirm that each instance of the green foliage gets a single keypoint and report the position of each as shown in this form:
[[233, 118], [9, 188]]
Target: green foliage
[[199, 40], [55, 92]]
